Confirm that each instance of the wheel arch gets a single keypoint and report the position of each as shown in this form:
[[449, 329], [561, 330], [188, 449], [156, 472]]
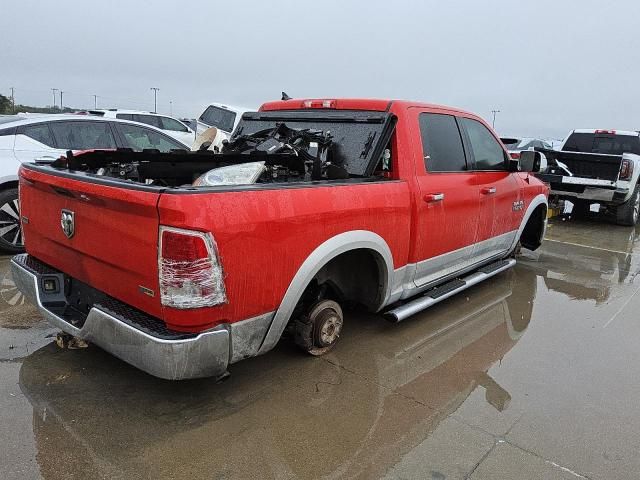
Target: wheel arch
[[538, 204], [344, 243]]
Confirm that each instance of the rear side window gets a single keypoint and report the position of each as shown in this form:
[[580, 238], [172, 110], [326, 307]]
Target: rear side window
[[124, 116], [83, 135], [487, 151], [441, 143], [173, 125], [39, 133], [219, 118], [152, 120], [140, 138]]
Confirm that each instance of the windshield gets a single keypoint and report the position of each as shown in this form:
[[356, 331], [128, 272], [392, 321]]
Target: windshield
[[609, 144], [219, 118], [349, 139]]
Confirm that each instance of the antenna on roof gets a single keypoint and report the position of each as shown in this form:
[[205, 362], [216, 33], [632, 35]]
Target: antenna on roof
[[285, 97]]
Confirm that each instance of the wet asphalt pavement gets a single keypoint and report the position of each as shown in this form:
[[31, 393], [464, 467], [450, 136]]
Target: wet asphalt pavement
[[534, 374]]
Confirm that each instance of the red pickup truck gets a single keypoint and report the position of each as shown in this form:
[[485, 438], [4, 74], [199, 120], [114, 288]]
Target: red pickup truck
[[183, 263]]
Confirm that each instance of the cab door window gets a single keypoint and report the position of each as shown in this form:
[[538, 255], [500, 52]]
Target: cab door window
[[442, 143], [39, 132], [83, 135], [140, 138], [487, 152]]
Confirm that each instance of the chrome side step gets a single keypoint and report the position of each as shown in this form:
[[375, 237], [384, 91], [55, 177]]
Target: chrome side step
[[447, 290]]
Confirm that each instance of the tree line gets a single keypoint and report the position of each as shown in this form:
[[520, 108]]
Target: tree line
[[7, 109]]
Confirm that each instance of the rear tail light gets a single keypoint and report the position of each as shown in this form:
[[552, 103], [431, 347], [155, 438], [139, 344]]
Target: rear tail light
[[626, 170], [189, 269], [319, 104], [605, 132], [515, 155]]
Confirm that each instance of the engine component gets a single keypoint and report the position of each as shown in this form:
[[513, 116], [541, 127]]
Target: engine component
[[241, 174]]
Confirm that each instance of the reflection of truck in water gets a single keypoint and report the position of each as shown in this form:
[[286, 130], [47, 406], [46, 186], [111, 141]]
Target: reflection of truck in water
[[584, 273], [116, 421]]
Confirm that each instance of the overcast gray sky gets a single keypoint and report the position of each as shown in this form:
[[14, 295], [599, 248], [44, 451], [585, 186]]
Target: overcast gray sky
[[548, 66]]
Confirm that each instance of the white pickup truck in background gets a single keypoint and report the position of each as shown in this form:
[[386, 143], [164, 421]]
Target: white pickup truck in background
[[223, 117], [596, 166]]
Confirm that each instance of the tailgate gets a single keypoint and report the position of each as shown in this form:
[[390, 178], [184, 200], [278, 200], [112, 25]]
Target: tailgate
[[596, 166], [113, 247]]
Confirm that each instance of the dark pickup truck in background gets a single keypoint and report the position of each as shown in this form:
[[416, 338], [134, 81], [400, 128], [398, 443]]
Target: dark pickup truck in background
[[596, 166]]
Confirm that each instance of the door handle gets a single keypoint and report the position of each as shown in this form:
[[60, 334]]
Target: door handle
[[433, 197], [488, 190]]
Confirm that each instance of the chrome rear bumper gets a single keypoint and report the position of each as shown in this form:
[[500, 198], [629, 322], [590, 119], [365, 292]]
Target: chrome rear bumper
[[203, 355]]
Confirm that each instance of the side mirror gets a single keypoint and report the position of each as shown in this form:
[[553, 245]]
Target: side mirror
[[530, 161]]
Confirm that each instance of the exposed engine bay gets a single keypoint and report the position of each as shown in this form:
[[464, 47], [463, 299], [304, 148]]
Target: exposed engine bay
[[264, 149]]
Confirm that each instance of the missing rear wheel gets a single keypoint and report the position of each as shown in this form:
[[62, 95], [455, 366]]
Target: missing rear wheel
[[318, 331]]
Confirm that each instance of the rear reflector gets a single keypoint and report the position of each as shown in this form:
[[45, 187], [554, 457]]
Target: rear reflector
[[189, 269], [319, 104], [515, 155]]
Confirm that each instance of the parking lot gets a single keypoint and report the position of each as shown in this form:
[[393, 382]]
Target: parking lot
[[532, 374]]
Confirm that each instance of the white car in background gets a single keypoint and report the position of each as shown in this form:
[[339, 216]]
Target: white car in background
[[169, 125], [223, 117], [44, 138]]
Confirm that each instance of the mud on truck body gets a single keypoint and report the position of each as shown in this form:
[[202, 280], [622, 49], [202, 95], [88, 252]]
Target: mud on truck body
[[183, 263]]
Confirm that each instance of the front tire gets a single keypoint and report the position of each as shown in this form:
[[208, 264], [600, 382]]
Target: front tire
[[318, 331], [11, 239], [627, 214]]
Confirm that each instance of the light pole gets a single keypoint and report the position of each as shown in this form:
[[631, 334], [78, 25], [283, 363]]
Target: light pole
[[61, 107], [54, 90], [155, 99], [171, 108], [495, 112], [95, 101], [13, 101]]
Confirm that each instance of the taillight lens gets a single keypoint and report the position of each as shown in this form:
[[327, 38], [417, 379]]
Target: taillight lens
[[189, 269], [626, 170]]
